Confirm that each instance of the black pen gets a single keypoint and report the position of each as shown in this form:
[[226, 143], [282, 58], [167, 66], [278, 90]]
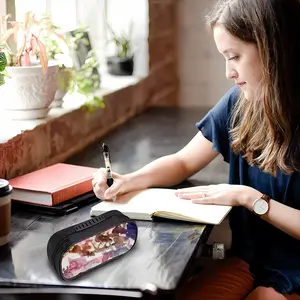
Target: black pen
[[107, 161]]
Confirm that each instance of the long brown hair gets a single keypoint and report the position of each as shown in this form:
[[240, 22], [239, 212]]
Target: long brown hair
[[266, 131]]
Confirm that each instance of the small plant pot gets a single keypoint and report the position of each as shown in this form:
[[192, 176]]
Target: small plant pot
[[63, 79], [120, 66], [29, 92]]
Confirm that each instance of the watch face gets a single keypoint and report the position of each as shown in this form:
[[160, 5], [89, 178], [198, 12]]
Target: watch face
[[260, 206]]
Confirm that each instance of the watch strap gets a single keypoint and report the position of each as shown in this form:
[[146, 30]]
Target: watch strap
[[265, 197]]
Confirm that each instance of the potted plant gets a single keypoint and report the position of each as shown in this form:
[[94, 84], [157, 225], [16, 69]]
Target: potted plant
[[57, 50], [84, 79], [3, 64], [78, 65], [32, 83], [122, 62]]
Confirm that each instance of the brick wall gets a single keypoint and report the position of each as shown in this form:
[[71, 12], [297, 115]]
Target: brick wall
[[163, 52], [62, 137], [201, 67]]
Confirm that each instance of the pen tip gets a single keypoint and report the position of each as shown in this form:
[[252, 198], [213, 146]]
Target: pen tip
[[104, 147]]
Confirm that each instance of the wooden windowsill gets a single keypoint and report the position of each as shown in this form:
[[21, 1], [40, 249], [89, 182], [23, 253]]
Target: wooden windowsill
[[109, 84]]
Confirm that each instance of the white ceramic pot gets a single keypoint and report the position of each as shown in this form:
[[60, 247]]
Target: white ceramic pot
[[29, 92]]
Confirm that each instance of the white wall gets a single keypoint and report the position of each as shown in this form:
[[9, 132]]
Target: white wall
[[201, 67]]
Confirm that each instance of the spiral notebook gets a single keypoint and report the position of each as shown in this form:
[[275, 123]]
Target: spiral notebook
[[163, 203]]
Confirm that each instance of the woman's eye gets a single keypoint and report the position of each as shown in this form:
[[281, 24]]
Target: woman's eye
[[233, 58]]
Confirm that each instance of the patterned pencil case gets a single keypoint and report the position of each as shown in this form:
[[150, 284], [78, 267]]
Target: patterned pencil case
[[80, 248]]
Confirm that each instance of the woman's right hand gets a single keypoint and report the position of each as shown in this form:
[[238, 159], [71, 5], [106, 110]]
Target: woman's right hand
[[102, 190]]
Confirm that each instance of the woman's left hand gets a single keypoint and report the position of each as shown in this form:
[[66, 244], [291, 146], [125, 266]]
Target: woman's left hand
[[220, 194]]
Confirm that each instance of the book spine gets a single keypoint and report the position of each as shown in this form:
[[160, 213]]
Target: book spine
[[72, 191]]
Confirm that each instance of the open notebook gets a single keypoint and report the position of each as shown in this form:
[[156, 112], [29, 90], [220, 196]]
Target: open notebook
[[160, 202]]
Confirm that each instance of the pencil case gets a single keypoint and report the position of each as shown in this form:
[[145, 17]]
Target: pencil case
[[80, 248]]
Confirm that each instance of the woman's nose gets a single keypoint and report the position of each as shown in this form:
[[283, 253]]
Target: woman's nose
[[231, 73]]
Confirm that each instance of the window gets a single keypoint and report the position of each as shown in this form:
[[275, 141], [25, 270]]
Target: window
[[70, 14], [2, 7], [119, 14]]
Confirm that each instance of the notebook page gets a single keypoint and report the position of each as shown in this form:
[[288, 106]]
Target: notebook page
[[144, 202], [203, 213], [141, 204]]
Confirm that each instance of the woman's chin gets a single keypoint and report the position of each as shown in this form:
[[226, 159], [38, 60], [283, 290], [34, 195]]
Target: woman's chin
[[248, 96]]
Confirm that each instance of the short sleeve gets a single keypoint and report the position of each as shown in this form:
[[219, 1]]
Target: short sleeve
[[215, 125]]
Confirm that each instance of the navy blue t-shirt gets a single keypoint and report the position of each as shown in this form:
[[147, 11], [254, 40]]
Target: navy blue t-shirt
[[273, 255]]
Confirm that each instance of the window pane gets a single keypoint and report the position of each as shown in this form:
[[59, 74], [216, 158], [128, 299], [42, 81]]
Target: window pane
[[63, 13], [2, 7], [120, 14], [90, 13], [23, 6]]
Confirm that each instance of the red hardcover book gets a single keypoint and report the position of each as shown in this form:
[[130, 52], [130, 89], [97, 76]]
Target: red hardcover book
[[53, 185]]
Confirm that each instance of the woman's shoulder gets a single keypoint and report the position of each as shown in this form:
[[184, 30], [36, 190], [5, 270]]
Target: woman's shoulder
[[222, 112], [215, 125], [227, 102], [232, 95]]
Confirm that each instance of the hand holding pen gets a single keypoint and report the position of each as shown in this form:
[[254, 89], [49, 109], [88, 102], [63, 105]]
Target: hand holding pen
[[107, 162], [107, 184]]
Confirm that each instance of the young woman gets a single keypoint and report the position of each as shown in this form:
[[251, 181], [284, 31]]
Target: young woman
[[255, 127]]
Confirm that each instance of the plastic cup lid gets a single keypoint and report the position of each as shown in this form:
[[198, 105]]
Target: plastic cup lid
[[5, 187]]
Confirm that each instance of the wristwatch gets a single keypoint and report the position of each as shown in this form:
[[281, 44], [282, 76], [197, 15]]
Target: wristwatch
[[260, 206]]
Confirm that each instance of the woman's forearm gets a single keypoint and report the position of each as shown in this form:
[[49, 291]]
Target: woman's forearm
[[284, 217], [162, 172], [281, 216]]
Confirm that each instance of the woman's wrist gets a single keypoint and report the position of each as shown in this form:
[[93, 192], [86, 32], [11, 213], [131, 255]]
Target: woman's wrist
[[133, 182], [248, 197]]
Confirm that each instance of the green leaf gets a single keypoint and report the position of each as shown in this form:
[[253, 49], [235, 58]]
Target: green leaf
[[98, 99], [2, 81], [5, 73], [3, 61]]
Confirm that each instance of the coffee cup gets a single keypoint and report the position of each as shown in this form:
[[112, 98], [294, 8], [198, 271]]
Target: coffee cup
[[5, 210]]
